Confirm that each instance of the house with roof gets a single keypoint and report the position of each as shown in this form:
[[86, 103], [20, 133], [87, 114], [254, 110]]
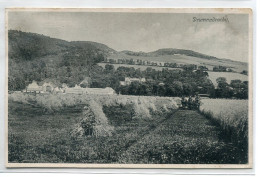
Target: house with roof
[[100, 91], [33, 87], [74, 90], [129, 80], [36, 88], [93, 91]]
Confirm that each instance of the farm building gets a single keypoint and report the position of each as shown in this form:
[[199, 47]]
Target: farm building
[[49, 88], [129, 80], [75, 90], [99, 91], [33, 87]]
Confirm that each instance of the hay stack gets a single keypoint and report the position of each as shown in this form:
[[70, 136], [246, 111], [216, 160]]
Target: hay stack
[[93, 122]]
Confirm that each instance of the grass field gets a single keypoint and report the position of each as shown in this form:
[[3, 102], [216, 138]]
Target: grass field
[[48, 128], [228, 75]]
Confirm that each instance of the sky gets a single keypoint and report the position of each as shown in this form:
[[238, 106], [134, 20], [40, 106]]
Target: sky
[[142, 31]]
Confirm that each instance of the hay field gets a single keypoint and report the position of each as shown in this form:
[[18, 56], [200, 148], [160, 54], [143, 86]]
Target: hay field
[[51, 128], [232, 117]]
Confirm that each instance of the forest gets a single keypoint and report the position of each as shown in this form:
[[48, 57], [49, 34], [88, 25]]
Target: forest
[[168, 83]]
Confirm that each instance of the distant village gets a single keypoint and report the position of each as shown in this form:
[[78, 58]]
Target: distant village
[[48, 87]]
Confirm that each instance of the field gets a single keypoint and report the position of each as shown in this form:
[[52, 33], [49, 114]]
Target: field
[[142, 67], [48, 128], [232, 118], [127, 129], [184, 138], [183, 59], [228, 75]]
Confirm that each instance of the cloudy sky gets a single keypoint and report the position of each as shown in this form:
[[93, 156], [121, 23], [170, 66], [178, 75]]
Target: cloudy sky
[[142, 31]]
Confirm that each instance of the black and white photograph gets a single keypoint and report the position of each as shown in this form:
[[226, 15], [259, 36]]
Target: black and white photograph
[[129, 88]]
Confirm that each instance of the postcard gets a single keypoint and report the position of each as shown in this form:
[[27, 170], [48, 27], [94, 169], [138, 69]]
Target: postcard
[[129, 88]]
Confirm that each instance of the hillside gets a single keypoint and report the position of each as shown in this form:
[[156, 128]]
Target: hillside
[[171, 51], [38, 57], [28, 46], [42, 58], [181, 56], [89, 44]]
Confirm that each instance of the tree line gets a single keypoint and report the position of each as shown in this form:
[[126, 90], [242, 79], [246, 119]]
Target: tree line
[[152, 63], [167, 82]]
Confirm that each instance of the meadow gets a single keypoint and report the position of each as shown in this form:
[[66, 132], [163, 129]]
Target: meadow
[[228, 75], [70, 128]]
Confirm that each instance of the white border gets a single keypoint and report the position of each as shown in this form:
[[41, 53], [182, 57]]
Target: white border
[[118, 3], [141, 10]]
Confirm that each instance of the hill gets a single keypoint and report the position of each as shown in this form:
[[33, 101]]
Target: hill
[[181, 56], [170, 51], [38, 57], [42, 58], [89, 44], [28, 46]]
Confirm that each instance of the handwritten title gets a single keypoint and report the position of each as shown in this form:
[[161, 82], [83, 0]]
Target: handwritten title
[[213, 19]]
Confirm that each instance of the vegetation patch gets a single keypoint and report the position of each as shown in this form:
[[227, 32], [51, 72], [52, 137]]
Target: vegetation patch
[[232, 118], [184, 138]]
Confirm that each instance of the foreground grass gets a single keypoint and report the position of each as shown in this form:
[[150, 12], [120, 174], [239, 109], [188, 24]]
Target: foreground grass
[[232, 118], [184, 138], [178, 138], [36, 137]]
